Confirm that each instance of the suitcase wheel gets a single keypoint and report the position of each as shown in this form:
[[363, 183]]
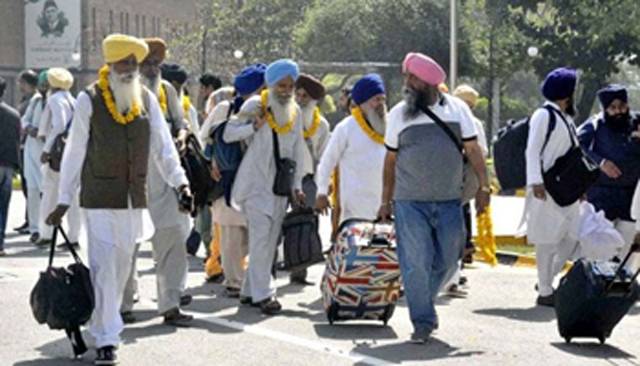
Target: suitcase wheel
[[567, 339], [602, 339], [388, 312], [332, 313]]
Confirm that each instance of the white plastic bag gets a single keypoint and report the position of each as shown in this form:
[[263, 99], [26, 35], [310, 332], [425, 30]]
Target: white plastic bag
[[599, 240]]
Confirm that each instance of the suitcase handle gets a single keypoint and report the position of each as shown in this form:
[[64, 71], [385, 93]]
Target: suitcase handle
[[635, 247]]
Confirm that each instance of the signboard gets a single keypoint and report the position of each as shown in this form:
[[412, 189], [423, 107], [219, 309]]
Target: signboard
[[52, 33]]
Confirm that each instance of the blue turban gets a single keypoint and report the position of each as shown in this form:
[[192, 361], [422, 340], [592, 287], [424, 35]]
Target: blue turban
[[612, 92], [174, 73], [559, 84], [369, 86], [279, 70], [250, 79]]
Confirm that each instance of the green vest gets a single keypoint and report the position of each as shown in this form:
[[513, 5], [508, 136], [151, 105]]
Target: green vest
[[115, 166]]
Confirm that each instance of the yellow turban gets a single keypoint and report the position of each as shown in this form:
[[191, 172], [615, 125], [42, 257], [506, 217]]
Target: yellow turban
[[468, 94], [60, 78], [157, 48], [117, 47]]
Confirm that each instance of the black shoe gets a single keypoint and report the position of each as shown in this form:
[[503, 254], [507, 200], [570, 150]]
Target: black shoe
[[232, 293], [128, 317], [270, 306], [176, 318], [463, 280], [545, 300], [2, 253], [34, 238], [185, 300], [420, 337], [106, 356], [300, 281], [22, 229], [217, 278], [247, 300]]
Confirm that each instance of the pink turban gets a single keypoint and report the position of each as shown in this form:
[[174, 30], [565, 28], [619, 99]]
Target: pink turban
[[424, 68]]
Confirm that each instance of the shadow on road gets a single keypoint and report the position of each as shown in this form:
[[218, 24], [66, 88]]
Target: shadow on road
[[595, 350], [405, 351], [534, 314], [52, 362], [355, 331]]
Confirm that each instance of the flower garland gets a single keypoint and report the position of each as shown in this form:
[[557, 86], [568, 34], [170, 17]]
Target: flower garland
[[186, 104], [107, 96], [373, 135], [162, 99], [485, 240], [281, 130], [314, 124]]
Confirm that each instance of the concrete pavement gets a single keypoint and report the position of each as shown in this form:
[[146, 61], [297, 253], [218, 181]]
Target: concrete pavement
[[496, 324]]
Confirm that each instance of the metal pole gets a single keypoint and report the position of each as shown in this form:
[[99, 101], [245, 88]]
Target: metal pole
[[453, 47]]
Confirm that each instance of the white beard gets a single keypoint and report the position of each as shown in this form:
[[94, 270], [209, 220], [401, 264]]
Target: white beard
[[378, 122], [281, 112], [125, 93], [307, 113], [152, 84]]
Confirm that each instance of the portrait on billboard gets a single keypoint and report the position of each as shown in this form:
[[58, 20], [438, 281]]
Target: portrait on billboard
[[52, 21]]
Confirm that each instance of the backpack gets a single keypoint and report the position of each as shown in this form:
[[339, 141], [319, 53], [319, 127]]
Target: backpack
[[198, 170], [509, 146], [228, 156]]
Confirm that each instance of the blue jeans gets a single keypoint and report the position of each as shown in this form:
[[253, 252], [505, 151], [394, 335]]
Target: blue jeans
[[430, 240], [6, 175]]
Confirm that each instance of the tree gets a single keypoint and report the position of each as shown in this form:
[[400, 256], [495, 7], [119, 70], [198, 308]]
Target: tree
[[594, 36]]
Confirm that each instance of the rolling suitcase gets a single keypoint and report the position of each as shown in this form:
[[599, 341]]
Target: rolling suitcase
[[594, 296], [362, 274]]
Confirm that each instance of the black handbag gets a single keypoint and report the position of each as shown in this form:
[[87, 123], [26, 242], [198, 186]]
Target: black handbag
[[63, 297], [572, 174], [302, 243], [285, 171], [198, 170], [57, 148]]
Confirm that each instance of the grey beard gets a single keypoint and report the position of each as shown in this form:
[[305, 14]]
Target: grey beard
[[307, 113], [281, 111], [126, 90], [411, 108], [152, 84], [377, 122]]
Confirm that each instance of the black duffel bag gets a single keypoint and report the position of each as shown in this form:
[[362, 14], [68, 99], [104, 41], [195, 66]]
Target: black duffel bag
[[572, 174], [302, 243], [63, 297], [198, 170]]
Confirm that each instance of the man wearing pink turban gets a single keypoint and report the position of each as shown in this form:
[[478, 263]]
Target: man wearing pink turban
[[422, 186]]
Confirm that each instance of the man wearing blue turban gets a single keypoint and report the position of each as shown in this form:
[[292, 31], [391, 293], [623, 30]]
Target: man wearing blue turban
[[549, 226], [264, 120], [357, 147], [608, 139]]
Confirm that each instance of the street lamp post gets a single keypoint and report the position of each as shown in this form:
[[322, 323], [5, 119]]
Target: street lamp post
[[453, 47]]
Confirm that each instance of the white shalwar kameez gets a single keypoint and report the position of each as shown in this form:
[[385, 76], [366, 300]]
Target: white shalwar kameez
[[361, 162], [56, 115], [552, 228], [253, 193], [113, 233], [32, 166]]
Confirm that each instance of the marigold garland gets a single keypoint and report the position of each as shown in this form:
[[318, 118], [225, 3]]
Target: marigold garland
[[314, 124], [162, 99], [485, 240], [281, 130], [373, 135], [107, 96], [186, 104]]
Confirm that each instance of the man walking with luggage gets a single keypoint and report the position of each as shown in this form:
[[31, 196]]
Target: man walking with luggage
[[423, 173], [611, 140], [356, 147], [549, 225], [118, 130]]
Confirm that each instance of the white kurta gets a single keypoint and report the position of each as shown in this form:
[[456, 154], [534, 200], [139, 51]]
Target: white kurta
[[361, 162], [114, 232], [33, 146], [316, 145], [547, 222]]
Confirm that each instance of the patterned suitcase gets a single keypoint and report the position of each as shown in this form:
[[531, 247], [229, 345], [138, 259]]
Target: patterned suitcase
[[362, 275]]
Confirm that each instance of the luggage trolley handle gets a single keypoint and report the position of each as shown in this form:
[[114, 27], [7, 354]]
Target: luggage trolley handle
[[635, 248], [378, 241]]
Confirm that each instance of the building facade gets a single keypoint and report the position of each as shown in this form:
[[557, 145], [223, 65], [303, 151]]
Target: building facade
[[98, 18]]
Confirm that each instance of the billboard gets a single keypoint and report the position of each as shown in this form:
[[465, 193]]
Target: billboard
[[52, 33]]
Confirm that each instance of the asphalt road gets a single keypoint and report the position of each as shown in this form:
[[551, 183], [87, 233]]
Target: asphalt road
[[496, 324]]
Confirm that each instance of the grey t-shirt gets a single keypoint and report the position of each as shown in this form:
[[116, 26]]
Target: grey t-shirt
[[428, 164]]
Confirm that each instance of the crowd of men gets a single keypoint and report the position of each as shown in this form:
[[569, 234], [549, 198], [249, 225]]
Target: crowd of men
[[121, 170]]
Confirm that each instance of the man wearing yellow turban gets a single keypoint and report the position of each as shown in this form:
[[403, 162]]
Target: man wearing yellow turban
[[128, 133]]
